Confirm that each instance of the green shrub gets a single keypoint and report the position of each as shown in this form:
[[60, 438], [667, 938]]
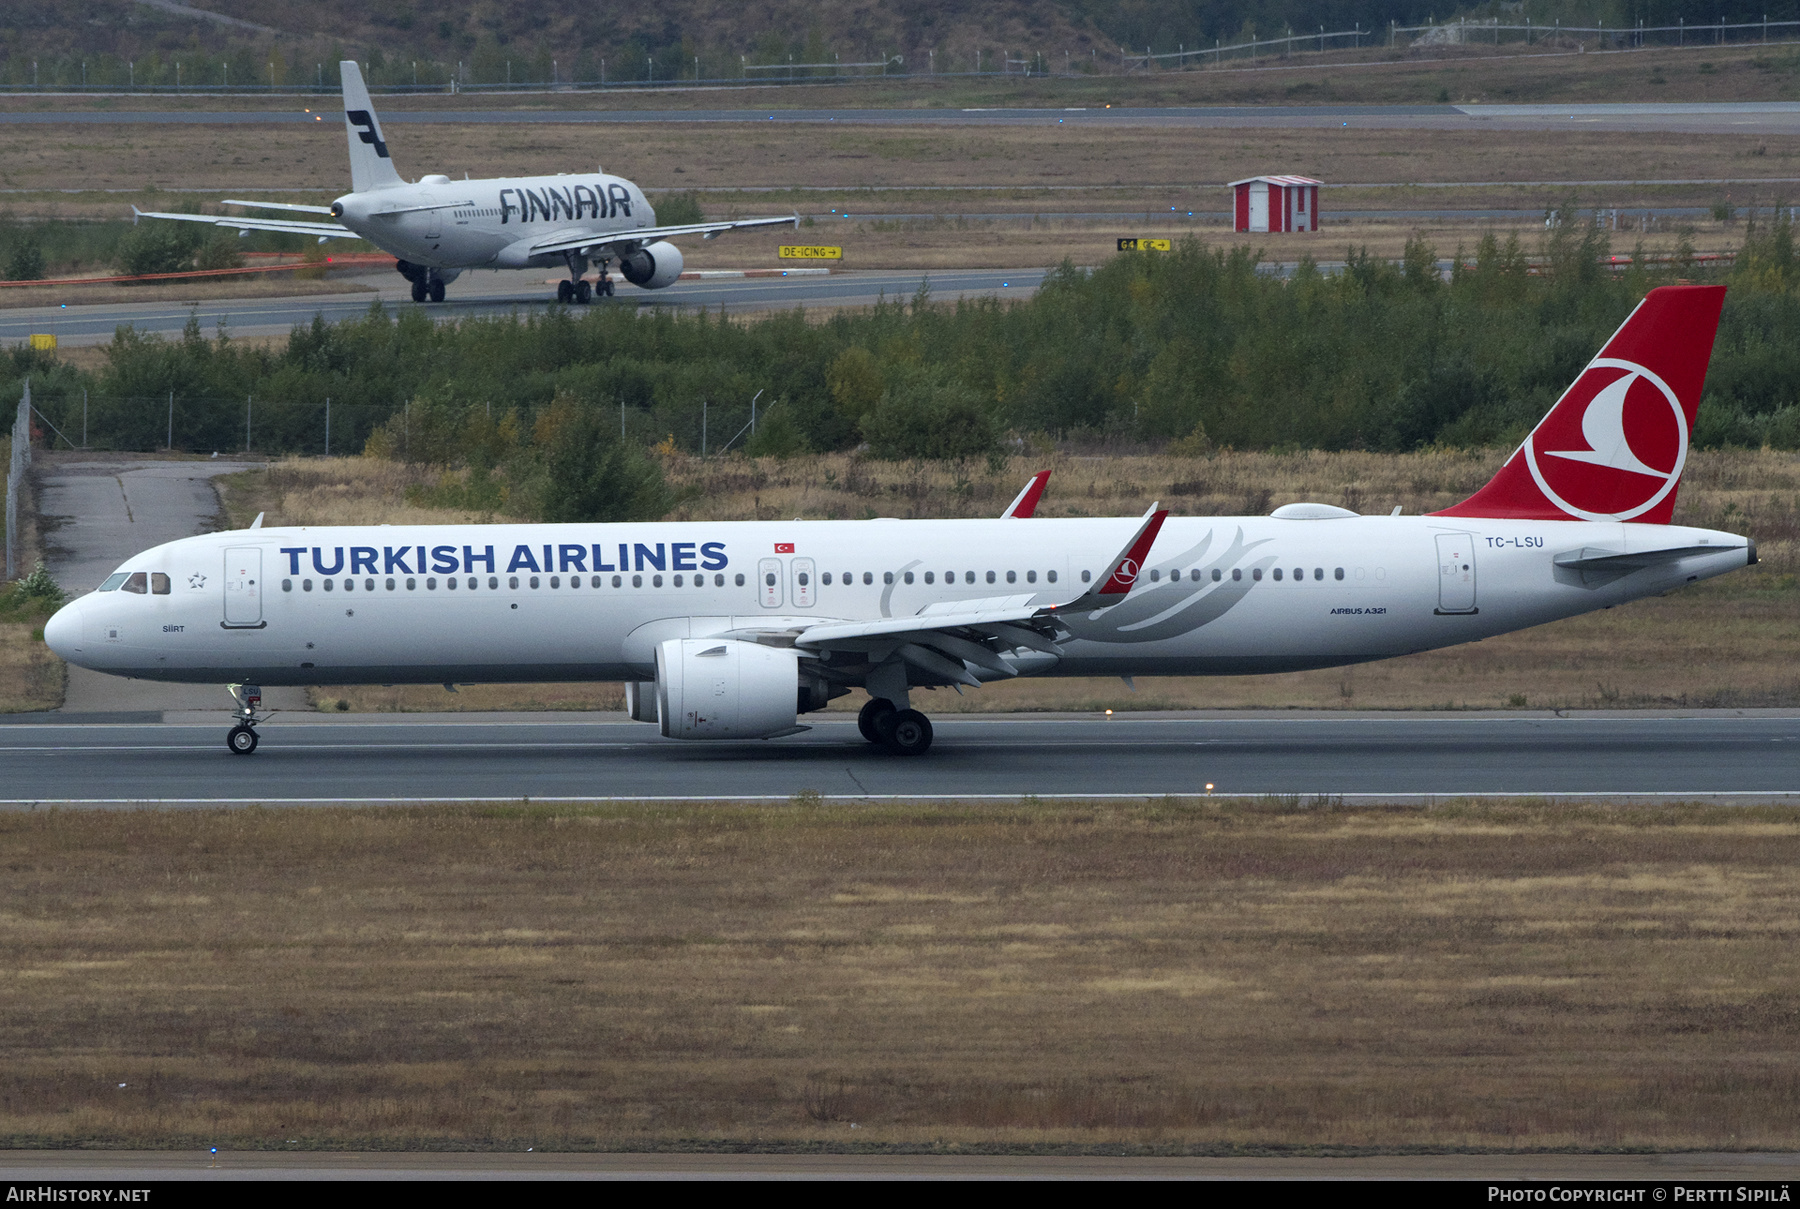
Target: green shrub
[[156, 246], [25, 260]]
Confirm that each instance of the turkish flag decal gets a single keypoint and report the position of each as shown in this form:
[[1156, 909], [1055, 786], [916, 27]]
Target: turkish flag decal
[[784, 547]]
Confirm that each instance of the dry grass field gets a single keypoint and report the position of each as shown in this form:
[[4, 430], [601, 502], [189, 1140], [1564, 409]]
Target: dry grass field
[[1192, 975], [1376, 75], [1017, 169], [201, 290], [1730, 642]]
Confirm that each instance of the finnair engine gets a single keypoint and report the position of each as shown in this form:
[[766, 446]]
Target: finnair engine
[[719, 688], [652, 267]]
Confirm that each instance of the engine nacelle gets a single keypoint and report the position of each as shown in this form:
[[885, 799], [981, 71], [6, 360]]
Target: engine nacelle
[[640, 700], [652, 267], [721, 688]]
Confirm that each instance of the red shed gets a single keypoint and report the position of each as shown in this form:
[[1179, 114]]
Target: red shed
[[1277, 203]]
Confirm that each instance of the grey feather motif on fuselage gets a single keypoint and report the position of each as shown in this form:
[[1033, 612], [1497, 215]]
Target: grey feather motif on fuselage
[[1180, 606]]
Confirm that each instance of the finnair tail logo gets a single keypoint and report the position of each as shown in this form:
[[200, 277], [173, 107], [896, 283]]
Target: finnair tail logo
[[364, 121], [1636, 439]]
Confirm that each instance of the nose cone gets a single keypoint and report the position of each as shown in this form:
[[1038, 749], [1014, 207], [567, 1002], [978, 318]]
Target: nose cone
[[62, 633]]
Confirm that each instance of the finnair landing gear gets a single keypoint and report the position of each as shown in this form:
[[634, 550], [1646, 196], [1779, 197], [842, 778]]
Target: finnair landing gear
[[905, 732], [427, 283], [576, 289], [243, 738]]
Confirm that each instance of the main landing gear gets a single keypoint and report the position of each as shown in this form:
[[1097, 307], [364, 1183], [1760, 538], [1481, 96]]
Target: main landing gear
[[242, 739], [426, 284], [576, 290], [905, 732]]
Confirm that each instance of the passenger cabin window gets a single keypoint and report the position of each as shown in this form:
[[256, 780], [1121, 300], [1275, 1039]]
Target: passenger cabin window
[[139, 583], [159, 584]]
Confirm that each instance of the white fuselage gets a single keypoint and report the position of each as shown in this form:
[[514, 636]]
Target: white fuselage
[[1218, 595], [492, 223]]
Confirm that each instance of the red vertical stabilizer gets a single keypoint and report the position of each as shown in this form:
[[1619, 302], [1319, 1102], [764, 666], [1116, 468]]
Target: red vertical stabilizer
[[1613, 447]]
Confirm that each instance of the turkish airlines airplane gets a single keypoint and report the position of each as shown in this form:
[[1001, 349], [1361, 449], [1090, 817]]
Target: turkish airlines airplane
[[438, 227], [732, 630]]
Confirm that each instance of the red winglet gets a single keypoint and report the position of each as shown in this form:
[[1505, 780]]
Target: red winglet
[[1124, 571], [1613, 447], [1026, 502]]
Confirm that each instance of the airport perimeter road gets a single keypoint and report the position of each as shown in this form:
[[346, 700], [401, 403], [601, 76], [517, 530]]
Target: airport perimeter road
[[483, 293], [372, 757], [1749, 117]]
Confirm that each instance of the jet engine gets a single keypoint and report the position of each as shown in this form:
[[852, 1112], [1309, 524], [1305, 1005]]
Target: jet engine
[[652, 267], [721, 688]]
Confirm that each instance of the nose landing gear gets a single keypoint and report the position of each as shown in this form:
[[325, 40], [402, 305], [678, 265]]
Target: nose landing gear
[[242, 739]]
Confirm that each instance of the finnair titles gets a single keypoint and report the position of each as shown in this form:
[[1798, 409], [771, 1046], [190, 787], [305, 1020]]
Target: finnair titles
[[437, 228], [733, 631]]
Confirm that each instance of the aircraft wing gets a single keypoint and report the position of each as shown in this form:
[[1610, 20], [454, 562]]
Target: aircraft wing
[[571, 241], [942, 638], [324, 230]]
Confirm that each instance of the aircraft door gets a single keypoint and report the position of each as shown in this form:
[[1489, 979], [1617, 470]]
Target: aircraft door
[[1456, 573], [434, 223], [805, 581], [768, 582], [243, 587]]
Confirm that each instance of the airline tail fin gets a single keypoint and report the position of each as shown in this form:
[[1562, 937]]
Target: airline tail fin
[[1613, 447], [370, 167]]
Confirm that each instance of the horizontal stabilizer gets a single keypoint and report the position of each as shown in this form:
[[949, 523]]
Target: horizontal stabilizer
[[1589, 559], [232, 201], [324, 230]]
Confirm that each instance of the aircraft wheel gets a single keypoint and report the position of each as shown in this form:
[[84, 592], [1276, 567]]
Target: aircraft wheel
[[241, 740], [905, 733], [871, 711], [582, 293], [565, 291], [419, 294], [606, 286], [437, 291]]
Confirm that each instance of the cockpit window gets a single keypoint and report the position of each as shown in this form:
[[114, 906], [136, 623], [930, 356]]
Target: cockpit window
[[137, 583], [159, 584], [113, 581]]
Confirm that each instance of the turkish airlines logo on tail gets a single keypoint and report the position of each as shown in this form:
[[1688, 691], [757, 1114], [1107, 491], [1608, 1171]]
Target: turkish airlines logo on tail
[[1614, 445]]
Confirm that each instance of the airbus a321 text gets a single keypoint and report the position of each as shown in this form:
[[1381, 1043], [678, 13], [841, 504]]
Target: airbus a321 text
[[733, 630], [437, 227]]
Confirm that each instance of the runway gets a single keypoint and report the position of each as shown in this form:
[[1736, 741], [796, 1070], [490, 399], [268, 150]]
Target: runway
[[314, 758], [483, 293], [1752, 117]]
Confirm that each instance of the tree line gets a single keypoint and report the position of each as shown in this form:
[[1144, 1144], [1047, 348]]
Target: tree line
[[1189, 350]]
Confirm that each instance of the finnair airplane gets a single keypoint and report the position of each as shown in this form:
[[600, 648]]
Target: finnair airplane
[[733, 630], [438, 227]]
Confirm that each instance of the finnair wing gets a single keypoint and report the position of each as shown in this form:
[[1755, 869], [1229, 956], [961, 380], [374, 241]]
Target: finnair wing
[[941, 638], [324, 230], [569, 241], [1026, 502]]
